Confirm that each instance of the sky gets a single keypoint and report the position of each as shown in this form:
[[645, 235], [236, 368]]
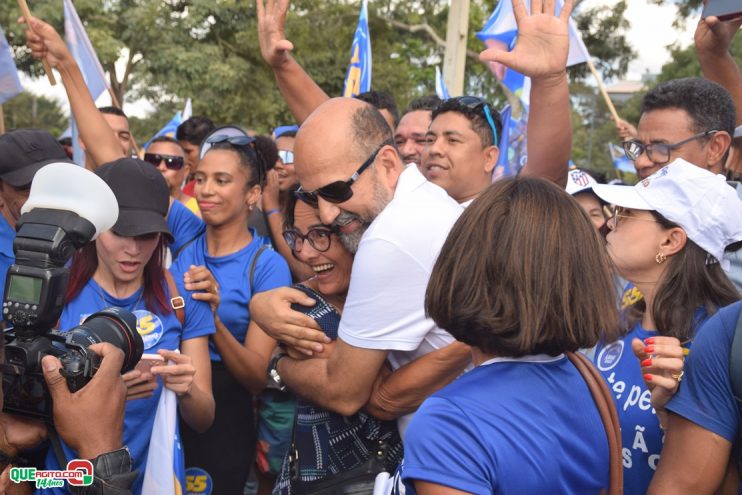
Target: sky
[[649, 39]]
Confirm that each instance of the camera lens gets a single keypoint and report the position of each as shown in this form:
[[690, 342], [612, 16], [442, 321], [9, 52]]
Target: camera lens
[[115, 326]]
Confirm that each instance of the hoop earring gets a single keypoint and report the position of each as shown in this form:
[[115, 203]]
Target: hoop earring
[[660, 258]]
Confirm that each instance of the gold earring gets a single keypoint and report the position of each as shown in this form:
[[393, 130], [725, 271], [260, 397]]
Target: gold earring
[[660, 258]]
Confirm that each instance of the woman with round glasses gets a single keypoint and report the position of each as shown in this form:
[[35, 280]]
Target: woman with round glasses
[[668, 238], [229, 264], [168, 156]]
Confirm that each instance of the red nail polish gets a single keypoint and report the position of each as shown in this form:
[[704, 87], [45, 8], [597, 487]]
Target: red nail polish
[[649, 349], [648, 377], [646, 362], [649, 341]]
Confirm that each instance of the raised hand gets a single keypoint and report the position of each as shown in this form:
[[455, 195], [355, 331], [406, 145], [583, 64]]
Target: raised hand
[[542, 46], [45, 43], [274, 47], [271, 192], [714, 36]]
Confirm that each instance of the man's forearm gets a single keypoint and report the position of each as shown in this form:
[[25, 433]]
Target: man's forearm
[[722, 69], [549, 133], [301, 93]]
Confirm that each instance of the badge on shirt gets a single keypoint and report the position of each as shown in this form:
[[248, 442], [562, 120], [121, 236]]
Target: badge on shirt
[[610, 356]]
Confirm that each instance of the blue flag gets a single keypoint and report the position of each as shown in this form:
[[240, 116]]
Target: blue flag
[[84, 54], [501, 31], [168, 130], [10, 85], [620, 160], [358, 77], [513, 152], [440, 85]]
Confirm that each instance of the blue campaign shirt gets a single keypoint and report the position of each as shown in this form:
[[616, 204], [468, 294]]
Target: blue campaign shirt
[[184, 225], [641, 435], [232, 273], [512, 426], [159, 331], [705, 396], [7, 256]]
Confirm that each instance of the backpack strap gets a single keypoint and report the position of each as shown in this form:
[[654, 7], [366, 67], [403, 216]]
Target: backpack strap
[[176, 301], [607, 409], [254, 263]]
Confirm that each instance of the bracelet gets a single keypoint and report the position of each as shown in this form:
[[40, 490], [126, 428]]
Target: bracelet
[[271, 212]]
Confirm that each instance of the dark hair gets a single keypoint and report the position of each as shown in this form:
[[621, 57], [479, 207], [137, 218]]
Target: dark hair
[[166, 139], [85, 262], [288, 212], [368, 131], [382, 101], [250, 157], [65, 141], [690, 282], [113, 111], [194, 130], [477, 118], [523, 271], [427, 102], [708, 104], [268, 150]]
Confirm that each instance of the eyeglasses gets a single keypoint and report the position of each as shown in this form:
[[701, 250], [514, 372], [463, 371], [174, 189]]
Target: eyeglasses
[[319, 238], [286, 156], [245, 142], [475, 103], [620, 212], [171, 162], [339, 191], [658, 153]]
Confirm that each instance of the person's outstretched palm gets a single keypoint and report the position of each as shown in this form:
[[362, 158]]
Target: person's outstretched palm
[[274, 47], [542, 46]]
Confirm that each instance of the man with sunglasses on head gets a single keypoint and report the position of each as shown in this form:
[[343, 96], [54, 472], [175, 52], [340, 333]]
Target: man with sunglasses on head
[[396, 222]]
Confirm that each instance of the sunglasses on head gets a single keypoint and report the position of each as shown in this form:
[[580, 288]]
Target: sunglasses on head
[[171, 162], [475, 103], [245, 142], [339, 191]]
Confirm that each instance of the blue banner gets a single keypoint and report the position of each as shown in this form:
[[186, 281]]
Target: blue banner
[[10, 85], [358, 76]]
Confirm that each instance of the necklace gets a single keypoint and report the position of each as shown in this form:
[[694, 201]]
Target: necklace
[[130, 307]]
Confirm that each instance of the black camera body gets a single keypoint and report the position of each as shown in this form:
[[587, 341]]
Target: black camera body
[[33, 301]]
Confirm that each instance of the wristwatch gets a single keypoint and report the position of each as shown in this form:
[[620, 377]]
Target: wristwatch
[[273, 377]]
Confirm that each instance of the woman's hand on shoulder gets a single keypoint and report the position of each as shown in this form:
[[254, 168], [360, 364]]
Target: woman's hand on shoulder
[[661, 360], [202, 282]]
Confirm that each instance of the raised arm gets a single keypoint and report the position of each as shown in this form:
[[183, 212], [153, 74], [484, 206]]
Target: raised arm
[[301, 93], [541, 54], [401, 391], [99, 139], [713, 39]]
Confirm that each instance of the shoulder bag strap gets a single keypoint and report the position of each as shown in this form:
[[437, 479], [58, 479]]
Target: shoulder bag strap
[[609, 415], [176, 301], [253, 264]]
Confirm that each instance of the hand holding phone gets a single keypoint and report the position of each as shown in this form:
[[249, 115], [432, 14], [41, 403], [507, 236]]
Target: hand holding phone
[[723, 9], [140, 382]]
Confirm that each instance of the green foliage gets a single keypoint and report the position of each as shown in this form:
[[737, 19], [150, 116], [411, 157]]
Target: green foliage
[[208, 50], [40, 112]]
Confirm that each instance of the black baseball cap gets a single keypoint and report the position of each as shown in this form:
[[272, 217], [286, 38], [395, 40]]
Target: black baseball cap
[[24, 151], [142, 195]]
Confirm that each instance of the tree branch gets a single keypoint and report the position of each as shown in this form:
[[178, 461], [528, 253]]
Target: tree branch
[[427, 29]]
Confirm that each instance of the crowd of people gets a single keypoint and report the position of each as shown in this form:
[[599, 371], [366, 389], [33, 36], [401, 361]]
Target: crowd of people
[[355, 295]]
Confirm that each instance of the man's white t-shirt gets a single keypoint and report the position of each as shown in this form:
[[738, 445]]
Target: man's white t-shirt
[[385, 307]]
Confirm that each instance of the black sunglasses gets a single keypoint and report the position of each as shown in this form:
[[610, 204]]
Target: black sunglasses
[[245, 142], [340, 190], [171, 162], [475, 103]]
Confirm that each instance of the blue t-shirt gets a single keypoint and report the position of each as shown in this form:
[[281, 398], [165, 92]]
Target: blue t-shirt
[[705, 396], [512, 426], [232, 273], [641, 435], [158, 332], [184, 225], [7, 256]]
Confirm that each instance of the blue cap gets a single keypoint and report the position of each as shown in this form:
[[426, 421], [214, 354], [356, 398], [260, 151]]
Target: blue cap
[[283, 129]]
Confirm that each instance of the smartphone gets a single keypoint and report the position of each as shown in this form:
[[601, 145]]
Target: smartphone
[[149, 360], [723, 9]]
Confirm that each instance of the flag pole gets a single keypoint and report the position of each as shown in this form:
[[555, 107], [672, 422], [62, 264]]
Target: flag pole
[[601, 86], [27, 15], [2, 120]]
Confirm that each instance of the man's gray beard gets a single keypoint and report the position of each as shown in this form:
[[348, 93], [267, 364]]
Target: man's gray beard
[[352, 240]]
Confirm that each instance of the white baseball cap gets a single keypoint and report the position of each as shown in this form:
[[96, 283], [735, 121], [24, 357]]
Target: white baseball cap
[[701, 202], [579, 181]]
